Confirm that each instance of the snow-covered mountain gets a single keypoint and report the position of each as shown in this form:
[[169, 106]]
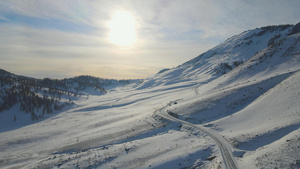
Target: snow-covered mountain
[[245, 92], [224, 57], [255, 106]]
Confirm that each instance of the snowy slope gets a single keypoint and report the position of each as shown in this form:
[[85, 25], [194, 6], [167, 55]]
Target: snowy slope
[[117, 130], [246, 90], [25, 100], [222, 58], [255, 106], [271, 119]]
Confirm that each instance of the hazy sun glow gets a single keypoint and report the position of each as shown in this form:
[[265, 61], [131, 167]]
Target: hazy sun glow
[[122, 29]]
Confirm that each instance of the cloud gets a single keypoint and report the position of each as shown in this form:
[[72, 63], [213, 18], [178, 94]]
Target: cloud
[[71, 11], [70, 37], [40, 52]]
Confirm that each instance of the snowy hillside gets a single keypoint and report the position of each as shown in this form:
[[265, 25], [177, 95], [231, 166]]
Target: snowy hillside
[[224, 57], [24, 100], [255, 106], [234, 106]]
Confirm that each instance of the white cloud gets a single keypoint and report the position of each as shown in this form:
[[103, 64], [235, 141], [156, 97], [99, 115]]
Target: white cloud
[[168, 33], [3, 18]]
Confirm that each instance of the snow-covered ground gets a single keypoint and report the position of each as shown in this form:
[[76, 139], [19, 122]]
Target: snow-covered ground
[[119, 130], [254, 107]]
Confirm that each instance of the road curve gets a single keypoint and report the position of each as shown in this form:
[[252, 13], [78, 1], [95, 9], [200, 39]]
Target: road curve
[[225, 148]]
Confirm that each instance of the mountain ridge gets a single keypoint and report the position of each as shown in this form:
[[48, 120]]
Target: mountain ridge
[[225, 56]]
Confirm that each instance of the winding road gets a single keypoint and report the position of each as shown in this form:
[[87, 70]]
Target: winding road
[[224, 146]]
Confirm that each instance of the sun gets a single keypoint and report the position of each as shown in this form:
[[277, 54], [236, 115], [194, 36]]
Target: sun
[[122, 29]]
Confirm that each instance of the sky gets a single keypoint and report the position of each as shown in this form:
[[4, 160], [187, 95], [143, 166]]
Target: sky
[[123, 39]]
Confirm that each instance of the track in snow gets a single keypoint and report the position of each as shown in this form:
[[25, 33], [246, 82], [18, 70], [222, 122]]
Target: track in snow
[[225, 148]]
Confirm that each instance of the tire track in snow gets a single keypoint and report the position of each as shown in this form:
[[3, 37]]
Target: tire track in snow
[[223, 145]]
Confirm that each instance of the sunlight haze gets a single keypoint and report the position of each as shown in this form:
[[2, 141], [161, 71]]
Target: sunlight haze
[[123, 39], [122, 29]]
